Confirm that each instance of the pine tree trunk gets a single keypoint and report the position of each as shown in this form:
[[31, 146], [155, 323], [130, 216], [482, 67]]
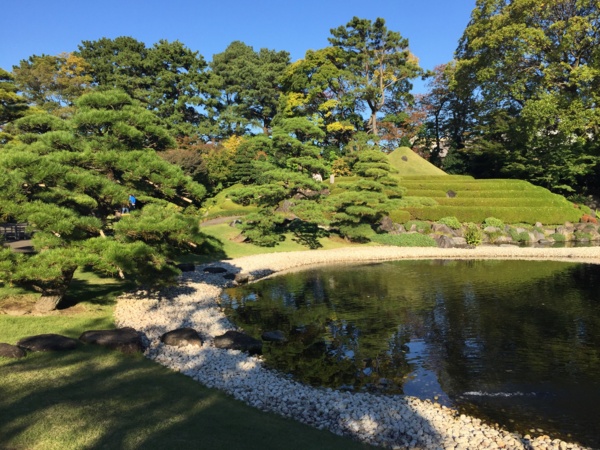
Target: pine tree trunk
[[48, 302], [52, 296]]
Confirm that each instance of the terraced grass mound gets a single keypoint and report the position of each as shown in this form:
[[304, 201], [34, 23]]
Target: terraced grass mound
[[470, 200], [222, 206], [408, 162]]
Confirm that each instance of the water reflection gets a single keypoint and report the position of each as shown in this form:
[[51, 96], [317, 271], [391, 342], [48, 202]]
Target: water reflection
[[506, 340]]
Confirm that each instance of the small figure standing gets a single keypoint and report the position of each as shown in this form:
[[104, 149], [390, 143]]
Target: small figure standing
[[132, 201]]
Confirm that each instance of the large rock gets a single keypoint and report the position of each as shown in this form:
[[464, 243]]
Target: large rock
[[182, 337], [126, 340], [47, 343], [11, 351], [234, 340]]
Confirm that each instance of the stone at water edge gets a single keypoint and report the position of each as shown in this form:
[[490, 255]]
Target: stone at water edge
[[47, 343], [182, 337], [234, 340], [126, 340]]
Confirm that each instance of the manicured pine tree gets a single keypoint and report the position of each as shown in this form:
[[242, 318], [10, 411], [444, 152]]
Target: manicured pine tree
[[364, 202], [68, 180]]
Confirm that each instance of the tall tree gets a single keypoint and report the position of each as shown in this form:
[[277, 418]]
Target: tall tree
[[534, 70], [247, 86], [53, 82], [380, 64], [12, 105], [168, 78], [317, 87], [68, 180]]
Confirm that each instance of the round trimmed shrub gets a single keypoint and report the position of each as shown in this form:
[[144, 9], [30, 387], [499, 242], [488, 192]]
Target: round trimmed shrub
[[451, 222]]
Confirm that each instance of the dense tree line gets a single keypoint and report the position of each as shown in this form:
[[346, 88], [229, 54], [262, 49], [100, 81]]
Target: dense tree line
[[79, 131], [521, 98]]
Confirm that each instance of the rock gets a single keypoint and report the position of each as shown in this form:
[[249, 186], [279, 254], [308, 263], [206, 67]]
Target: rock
[[11, 351], [186, 267], [442, 228], [450, 194], [126, 340], [386, 224], [215, 270], [274, 336], [242, 278], [234, 340], [240, 238], [404, 158], [444, 241], [459, 242], [490, 230], [182, 337], [47, 343]]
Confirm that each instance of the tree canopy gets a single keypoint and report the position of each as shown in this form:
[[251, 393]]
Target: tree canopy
[[69, 179]]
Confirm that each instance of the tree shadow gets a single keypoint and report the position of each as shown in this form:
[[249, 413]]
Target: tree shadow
[[93, 398]]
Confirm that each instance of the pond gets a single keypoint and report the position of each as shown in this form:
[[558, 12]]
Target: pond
[[513, 342]]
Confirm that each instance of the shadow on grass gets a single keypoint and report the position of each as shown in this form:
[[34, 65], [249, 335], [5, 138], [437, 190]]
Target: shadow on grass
[[92, 398]]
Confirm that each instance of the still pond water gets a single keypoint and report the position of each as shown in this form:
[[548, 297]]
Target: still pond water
[[514, 342]]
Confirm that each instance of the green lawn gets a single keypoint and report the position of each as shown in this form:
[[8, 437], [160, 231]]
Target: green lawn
[[95, 398]]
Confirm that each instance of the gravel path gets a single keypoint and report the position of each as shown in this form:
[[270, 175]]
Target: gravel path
[[389, 421]]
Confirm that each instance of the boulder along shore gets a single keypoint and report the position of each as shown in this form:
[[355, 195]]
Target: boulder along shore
[[395, 421]]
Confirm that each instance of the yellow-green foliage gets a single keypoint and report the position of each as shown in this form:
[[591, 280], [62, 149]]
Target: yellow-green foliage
[[408, 162], [400, 216]]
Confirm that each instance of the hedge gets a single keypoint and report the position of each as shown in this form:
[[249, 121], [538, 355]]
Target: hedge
[[550, 215], [513, 202]]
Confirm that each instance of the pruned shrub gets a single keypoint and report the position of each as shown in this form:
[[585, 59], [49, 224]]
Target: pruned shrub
[[493, 222], [420, 226], [399, 216], [451, 222], [405, 240]]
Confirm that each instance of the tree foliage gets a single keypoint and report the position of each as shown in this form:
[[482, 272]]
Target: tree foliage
[[533, 71], [379, 64], [246, 87], [53, 83], [68, 180], [168, 78]]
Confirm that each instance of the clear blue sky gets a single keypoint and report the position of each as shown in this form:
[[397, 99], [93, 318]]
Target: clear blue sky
[[35, 27]]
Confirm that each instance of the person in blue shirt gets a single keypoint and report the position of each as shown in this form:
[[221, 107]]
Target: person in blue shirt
[[132, 201]]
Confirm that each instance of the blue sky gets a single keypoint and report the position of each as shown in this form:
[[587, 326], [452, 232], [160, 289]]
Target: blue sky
[[29, 27]]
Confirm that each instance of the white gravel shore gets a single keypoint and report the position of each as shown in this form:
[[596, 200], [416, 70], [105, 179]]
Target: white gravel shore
[[388, 421]]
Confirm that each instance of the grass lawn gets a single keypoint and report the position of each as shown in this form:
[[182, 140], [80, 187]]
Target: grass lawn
[[96, 398]]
